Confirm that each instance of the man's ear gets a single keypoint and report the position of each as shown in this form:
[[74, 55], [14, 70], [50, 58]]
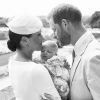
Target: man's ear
[[64, 24], [24, 41]]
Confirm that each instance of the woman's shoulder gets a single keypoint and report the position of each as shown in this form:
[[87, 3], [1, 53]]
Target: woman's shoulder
[[38, 68]]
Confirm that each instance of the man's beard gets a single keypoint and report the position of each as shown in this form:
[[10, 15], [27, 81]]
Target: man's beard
[[65, 39]]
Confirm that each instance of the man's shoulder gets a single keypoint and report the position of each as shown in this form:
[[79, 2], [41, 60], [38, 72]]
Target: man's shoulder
[[92, 50], [94, 45]]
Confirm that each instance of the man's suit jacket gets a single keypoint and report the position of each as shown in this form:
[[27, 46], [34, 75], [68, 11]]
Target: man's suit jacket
[[85, 71]]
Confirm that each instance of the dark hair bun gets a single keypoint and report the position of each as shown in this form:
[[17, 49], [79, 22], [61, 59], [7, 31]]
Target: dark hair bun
[[11, 45]]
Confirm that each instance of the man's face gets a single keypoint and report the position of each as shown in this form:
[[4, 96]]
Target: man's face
[[63, 36]]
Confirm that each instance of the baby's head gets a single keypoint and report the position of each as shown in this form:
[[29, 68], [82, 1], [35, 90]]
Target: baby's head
[[49, 49]]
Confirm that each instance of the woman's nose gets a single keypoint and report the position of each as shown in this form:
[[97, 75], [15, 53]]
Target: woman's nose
[[42, 39], [45, 52]]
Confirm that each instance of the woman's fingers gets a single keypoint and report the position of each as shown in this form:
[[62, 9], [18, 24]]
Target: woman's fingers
[[42, 98], [49, 96]]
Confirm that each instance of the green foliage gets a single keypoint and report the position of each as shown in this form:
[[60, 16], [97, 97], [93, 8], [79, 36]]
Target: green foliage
[[86, 21], [3, 22]]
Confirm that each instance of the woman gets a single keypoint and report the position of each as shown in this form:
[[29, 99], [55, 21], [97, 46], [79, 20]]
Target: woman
[[29, 80]]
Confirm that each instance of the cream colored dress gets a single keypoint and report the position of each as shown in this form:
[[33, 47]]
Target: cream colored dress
[[30, 80]]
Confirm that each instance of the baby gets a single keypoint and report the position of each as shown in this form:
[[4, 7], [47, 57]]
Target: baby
[[49, 49], [57, 66]]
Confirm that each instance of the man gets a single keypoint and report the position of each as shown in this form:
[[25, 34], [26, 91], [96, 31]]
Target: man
[[66, 21]]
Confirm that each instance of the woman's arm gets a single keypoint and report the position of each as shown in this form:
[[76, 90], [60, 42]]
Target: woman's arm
[[43, 83]]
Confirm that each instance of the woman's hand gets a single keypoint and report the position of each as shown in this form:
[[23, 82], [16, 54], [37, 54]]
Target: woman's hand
[[49, 97]]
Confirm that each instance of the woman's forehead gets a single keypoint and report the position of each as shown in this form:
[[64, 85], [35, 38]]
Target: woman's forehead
[[39, 32], [34, 35]]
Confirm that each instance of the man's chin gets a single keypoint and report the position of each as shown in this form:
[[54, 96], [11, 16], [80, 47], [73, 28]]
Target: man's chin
[[65, 43]]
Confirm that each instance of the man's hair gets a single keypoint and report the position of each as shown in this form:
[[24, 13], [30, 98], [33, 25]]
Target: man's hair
[[65, 11]]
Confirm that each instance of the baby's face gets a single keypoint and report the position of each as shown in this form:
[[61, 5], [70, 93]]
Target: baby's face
[[48, 52]]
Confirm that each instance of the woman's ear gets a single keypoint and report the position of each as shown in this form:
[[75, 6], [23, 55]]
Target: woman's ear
[[24, 41]]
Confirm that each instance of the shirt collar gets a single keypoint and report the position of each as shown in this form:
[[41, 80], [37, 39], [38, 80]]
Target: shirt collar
[[82, 43]]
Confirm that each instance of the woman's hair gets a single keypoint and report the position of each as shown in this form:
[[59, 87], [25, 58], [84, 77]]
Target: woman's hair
[[14, 40]]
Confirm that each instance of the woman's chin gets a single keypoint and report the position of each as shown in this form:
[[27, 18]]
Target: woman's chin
[[44, 58]]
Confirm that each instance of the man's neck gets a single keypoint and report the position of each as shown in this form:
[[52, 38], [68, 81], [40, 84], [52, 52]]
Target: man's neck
[[78, 33]]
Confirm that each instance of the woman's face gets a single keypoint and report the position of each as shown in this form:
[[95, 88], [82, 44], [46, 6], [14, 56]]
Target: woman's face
[[47, 52], [36, 41]]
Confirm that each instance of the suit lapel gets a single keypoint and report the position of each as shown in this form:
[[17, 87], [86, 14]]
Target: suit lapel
[[79, 51]]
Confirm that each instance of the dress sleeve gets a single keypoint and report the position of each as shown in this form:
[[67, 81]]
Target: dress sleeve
[[93, 77], [43, 82]]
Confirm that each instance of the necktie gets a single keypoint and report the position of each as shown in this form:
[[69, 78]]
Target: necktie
[[73, 56]]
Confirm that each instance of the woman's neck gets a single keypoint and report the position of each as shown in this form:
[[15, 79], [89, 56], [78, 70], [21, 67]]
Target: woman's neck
[[22, 56]]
